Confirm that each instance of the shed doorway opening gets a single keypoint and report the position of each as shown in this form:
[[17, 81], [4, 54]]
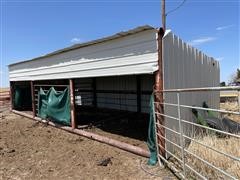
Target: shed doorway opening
[[116, 106], [21, 96]]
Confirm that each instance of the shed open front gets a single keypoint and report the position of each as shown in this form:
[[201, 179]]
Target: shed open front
[[116, 104]]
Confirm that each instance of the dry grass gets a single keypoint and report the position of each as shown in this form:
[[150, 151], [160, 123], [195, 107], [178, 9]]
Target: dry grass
[[4, 95], [231, 106], [227, 145], [4, 89]]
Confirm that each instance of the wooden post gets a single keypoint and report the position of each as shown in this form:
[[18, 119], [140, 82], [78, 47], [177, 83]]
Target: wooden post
[[159, 95], [139, 103], [72, 103], [33, 99]]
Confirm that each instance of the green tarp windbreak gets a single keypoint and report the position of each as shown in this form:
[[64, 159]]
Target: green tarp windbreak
[[54, 105], [21, 98], [151, 140]]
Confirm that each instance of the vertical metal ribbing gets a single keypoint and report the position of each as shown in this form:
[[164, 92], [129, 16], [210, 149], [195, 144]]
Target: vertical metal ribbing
[[181, 134], [94, 87], [138, 82]]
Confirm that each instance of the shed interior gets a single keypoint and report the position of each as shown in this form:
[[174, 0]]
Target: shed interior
[[21, 98], [116, 105]]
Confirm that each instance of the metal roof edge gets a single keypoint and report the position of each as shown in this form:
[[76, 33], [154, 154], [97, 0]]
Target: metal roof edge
[[97, 41]]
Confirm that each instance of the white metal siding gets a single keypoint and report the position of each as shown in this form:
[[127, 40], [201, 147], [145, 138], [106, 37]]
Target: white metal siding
[[132, 54], [187, 67]]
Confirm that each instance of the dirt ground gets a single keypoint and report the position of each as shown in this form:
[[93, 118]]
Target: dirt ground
[[31, 150]]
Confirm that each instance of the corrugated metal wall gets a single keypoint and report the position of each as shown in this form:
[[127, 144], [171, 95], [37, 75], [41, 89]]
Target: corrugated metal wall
[[116, 92], [83, 91], [116, 100], [187, 67]]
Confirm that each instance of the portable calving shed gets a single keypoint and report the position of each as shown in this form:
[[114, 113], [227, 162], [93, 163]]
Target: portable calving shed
[[117, 72]]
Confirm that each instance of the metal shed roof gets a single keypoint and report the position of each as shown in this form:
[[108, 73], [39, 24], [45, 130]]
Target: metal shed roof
[[101, 40], [126, 53]]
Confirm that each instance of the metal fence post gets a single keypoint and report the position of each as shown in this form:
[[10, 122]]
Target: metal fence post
[[181, 133], [156, 136]]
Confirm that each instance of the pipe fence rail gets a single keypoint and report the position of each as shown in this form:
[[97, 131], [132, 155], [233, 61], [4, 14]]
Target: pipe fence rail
[[210, 152]]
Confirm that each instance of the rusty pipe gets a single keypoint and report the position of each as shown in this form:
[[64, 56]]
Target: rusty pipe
[[96, 137]]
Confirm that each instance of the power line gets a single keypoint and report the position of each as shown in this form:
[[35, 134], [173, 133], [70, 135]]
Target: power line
[[180, 5]]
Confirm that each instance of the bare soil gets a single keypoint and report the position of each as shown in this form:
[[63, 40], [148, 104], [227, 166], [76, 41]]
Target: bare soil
[[31, 150]]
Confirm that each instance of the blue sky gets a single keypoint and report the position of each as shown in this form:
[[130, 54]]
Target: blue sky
[[33, 28]]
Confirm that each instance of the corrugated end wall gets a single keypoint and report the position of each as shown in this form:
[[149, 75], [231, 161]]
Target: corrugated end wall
[[187, 67]]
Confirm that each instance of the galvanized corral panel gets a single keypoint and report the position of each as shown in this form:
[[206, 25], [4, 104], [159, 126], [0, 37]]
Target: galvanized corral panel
[[132, 54], [186, 67]]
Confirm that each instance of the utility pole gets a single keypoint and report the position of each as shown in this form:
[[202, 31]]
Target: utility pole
[[163, 15]]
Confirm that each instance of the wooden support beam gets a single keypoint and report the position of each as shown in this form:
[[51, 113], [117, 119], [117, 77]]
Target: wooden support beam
[[33, 99], [72, 103], [139, 103], [94, 88]]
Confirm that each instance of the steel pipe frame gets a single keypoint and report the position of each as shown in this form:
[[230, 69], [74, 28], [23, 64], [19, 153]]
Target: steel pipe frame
[[202, 108], [159, 96], [200, 89]]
